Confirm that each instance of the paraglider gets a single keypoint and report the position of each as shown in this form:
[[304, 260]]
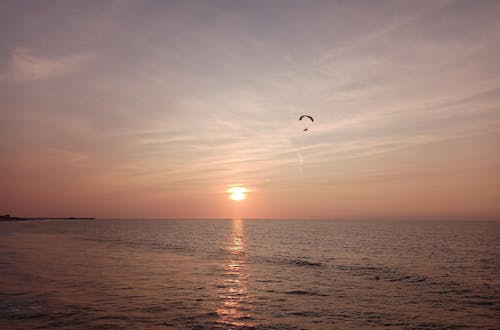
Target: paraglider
[[305, 125]]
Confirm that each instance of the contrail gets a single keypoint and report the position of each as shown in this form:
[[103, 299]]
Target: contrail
[[301, 162]]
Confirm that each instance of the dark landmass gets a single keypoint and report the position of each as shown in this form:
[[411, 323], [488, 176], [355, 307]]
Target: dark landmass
[[8, 217]]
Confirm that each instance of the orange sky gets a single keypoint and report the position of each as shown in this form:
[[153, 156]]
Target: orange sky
[[154, 109]]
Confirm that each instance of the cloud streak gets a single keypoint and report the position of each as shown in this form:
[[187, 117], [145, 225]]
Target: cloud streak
[[25, 67]]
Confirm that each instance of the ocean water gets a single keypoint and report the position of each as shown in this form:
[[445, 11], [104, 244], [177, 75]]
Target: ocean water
[[249, 274]]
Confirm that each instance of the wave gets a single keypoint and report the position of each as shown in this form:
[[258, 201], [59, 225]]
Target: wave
[[306, 293], [295, 261], [301, 262], [383, 273]]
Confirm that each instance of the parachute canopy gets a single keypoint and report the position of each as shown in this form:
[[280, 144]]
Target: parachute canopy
[[306, 116]]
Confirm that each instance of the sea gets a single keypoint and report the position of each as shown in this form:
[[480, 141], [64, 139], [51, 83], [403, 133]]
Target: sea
[[249, 274]]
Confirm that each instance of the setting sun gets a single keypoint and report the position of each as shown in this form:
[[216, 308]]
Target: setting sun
[[237, 193]]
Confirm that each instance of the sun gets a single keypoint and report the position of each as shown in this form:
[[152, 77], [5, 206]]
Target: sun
[[237, 193]]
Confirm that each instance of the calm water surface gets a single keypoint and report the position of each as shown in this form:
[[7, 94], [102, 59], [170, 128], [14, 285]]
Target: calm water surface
[[249, 274]]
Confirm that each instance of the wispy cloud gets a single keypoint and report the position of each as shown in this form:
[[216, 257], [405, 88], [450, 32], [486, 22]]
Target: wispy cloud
[[382, 30], [24, 66]]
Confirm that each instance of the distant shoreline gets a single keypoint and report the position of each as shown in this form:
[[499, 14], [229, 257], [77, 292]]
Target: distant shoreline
[[7, 217]]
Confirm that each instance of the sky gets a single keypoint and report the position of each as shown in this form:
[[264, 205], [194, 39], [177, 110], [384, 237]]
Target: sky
[[155, 109]]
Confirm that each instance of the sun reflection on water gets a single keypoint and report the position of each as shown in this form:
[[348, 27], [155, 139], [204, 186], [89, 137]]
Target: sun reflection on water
[[235, 307]]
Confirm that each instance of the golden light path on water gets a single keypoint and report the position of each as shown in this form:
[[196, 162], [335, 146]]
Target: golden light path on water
[[235, 308]]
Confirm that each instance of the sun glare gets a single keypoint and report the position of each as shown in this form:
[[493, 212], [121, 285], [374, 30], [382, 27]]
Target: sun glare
[[237, 193]]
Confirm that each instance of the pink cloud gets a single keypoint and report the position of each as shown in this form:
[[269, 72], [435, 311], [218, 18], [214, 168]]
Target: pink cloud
[[24, 66]]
